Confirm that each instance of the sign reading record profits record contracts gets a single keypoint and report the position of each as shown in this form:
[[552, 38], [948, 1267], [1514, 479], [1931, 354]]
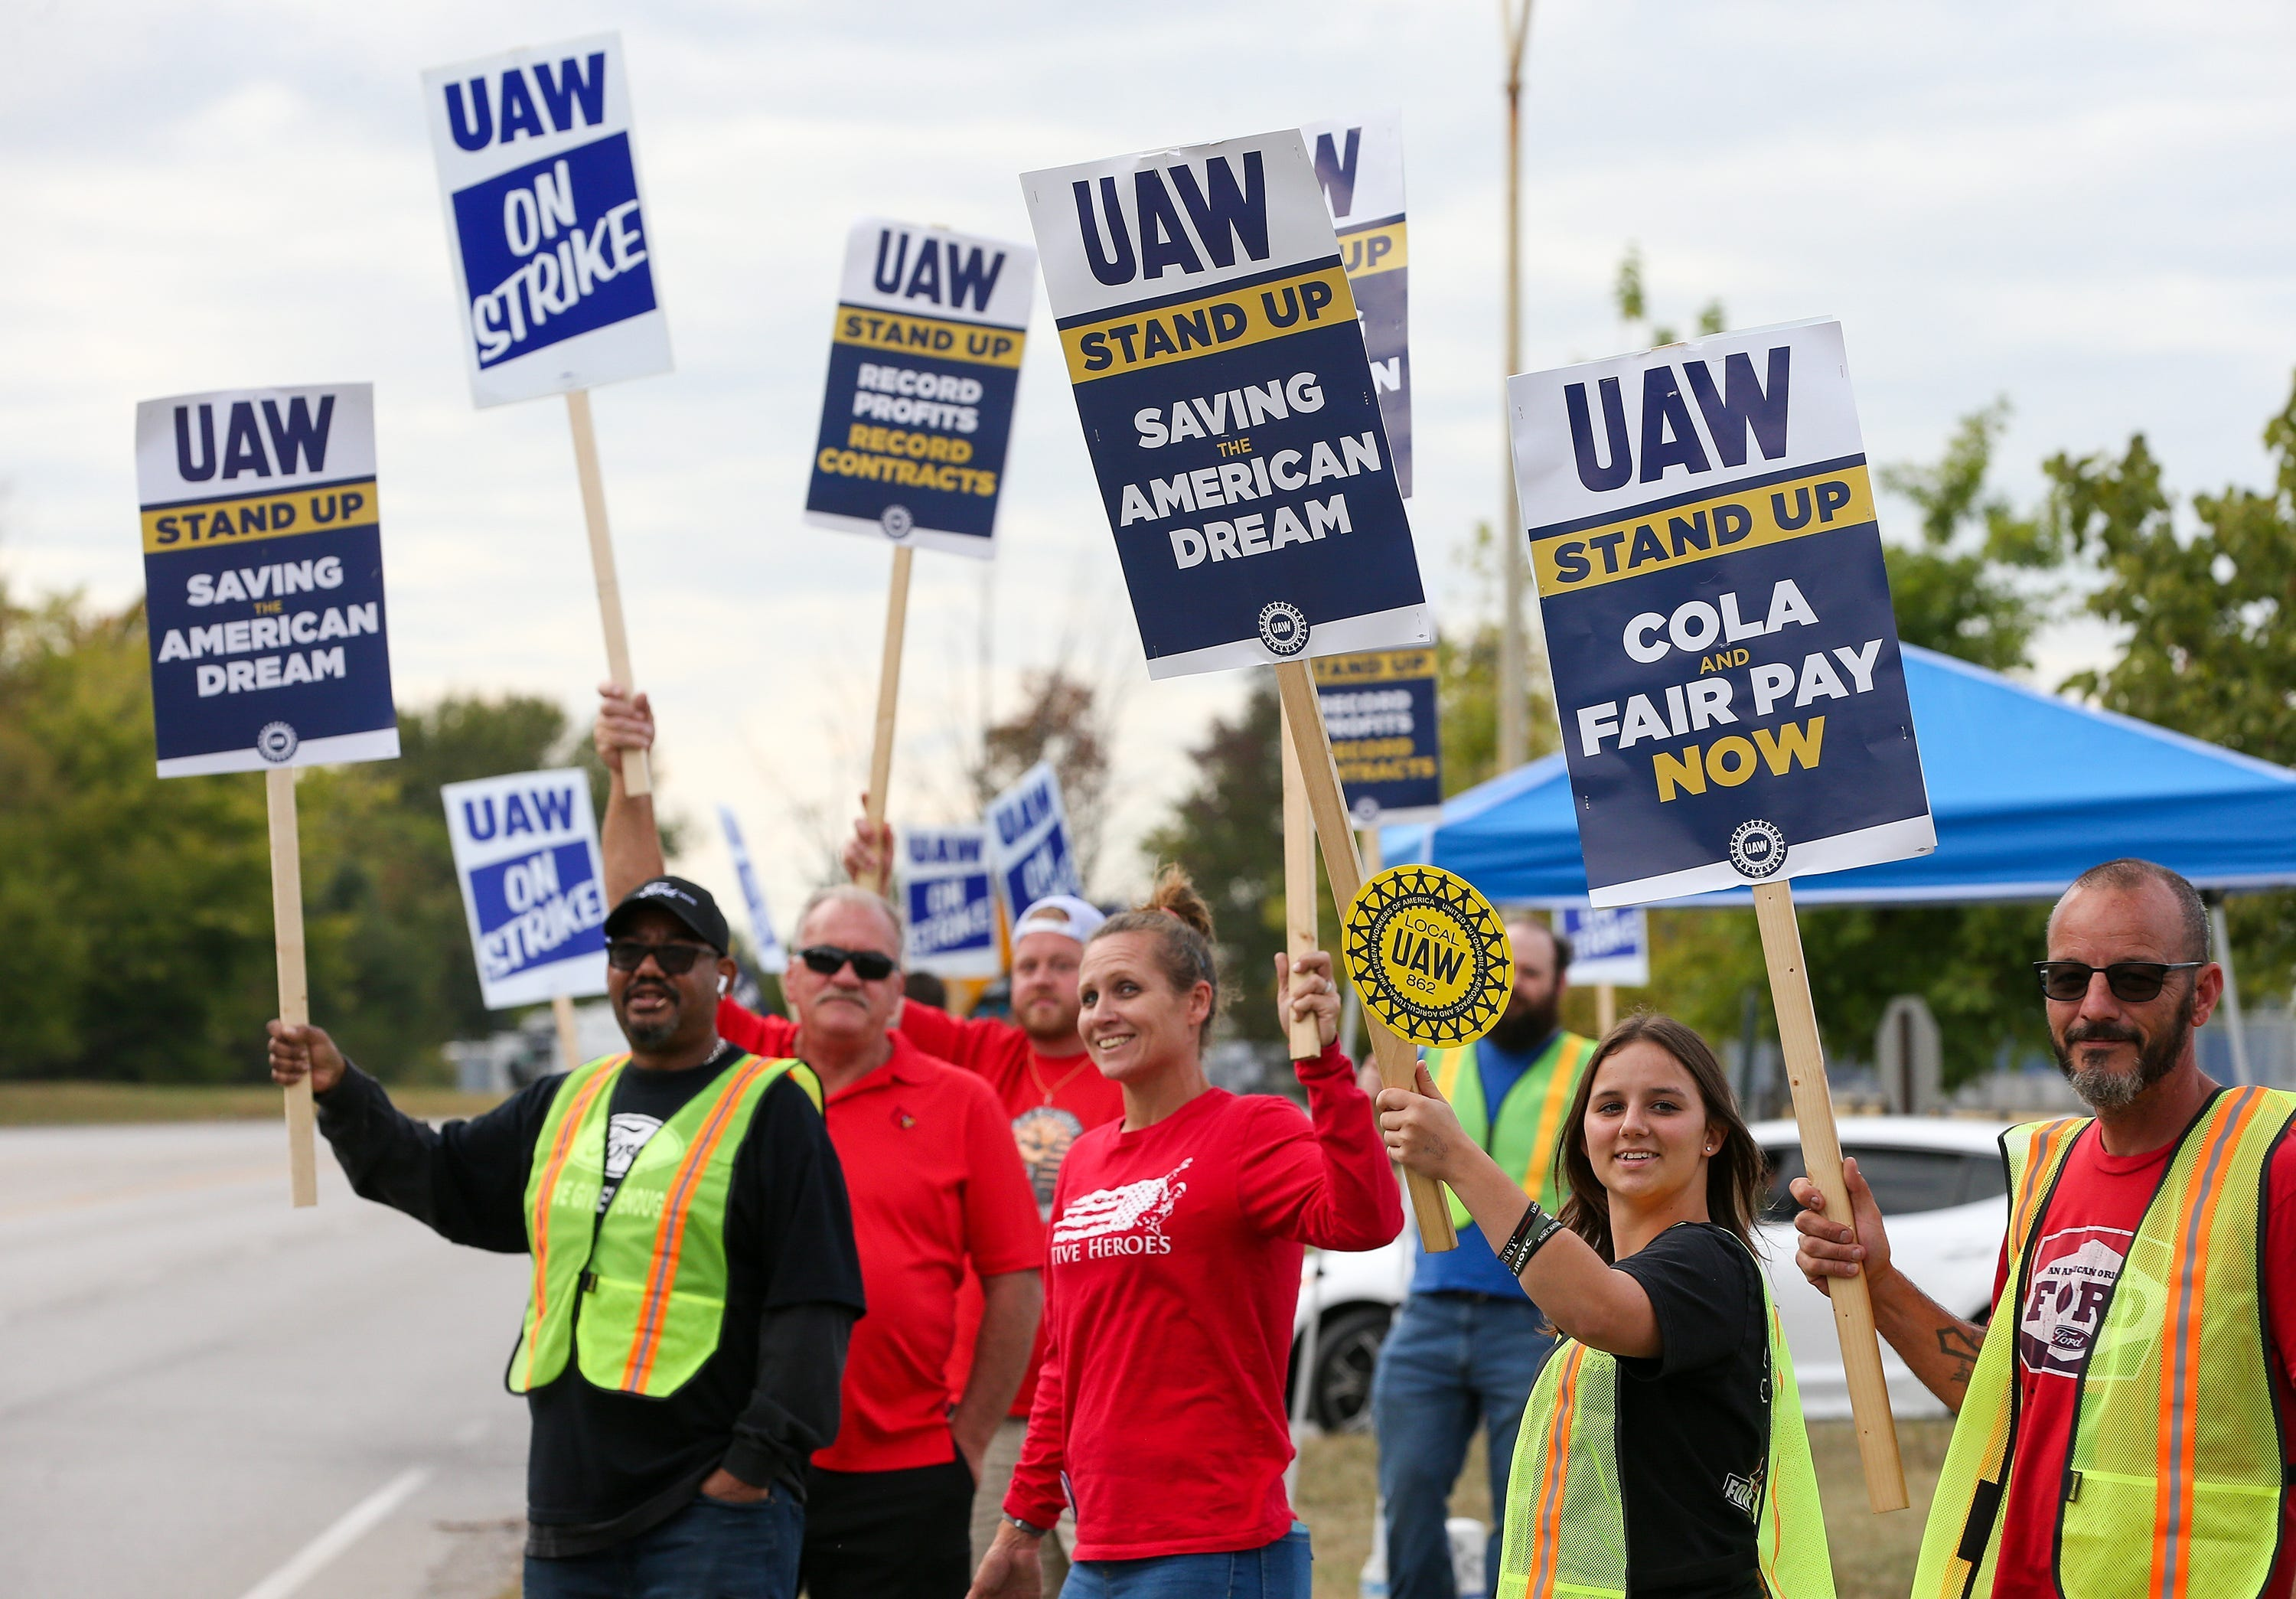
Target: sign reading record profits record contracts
[[922, 368], [1359, 163], [1210, 333], [554, 269], [1717, 616], [526, 847], [263, 579], [1379, 709]]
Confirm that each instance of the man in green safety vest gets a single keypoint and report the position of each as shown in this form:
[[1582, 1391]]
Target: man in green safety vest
[[1467, 1345], [2120, 1414], [695, 1279]]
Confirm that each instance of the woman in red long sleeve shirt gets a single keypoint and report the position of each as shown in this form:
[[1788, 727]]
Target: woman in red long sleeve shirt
[[1173, 1274]]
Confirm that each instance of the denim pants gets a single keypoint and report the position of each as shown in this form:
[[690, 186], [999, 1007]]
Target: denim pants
[[1451, 1362], [709, 1550], [1282, 1570]]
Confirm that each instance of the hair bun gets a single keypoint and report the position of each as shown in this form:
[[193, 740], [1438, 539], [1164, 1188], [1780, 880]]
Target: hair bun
[[1174, 894]]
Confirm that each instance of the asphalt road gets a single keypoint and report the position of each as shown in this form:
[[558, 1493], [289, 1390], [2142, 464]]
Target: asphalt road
[[206, 1393]]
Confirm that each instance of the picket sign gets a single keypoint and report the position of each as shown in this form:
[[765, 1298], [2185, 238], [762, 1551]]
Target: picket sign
[[262, 539], [554, 268], [1399, 1060], [1299, 884], [1359, 164], [1725, 661]]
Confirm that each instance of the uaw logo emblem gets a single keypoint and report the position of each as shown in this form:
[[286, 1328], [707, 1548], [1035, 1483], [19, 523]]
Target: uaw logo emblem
[[277, 742], [1757, 848], [897, 522], [1282, 628]]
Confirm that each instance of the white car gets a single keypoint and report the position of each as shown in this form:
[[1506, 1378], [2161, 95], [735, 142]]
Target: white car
[[1940, 1185]]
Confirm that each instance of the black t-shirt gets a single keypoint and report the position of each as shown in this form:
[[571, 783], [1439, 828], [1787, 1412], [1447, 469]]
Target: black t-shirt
[[604, 1465], [1693, 1423]]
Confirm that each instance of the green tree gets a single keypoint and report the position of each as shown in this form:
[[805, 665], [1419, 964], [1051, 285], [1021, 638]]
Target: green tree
[[1467, 687]]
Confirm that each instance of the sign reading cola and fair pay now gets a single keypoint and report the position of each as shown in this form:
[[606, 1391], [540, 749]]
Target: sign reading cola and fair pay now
[[1709, 573], [553, 268], [1227, 402]]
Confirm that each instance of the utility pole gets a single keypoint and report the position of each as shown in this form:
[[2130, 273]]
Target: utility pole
[[1514, 662]]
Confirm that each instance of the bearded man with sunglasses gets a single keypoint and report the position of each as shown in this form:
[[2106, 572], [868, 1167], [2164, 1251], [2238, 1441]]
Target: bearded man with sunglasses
[[695, 1279], [2119, 1416]]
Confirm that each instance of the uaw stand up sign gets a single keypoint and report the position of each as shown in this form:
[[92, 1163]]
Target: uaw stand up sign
[[1726, 666]]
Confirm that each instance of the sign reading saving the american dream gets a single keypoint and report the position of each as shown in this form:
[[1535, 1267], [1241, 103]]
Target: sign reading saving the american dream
[[262, 579], [1379, 710], [948, 899], [923, 364], [1029, 827], [1607, 947], [534, 893], [1359, 162], [771, 957], [1228, 406], [553, 266], [1717, 616]]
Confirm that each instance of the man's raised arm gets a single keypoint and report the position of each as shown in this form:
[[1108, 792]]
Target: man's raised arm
[[628, 837]]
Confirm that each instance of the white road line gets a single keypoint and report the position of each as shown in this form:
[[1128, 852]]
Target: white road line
[[355, 1524]]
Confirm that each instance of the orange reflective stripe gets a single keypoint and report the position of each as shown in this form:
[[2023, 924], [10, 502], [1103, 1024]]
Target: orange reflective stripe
[[2038, 1167], [669, 1234], [2180, 1371], [1567, 1059], [538, 1225], [1547, 1535]]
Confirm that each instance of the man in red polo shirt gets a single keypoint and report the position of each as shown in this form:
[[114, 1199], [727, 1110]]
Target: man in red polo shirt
[[935, 1188]]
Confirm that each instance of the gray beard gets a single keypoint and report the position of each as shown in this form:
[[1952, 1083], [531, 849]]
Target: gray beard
[[2104, 1090]]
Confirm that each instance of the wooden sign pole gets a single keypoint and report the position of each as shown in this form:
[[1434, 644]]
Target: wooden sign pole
[[637, 770], [294, 984], [1399, 1061], [1821, 1153], [1606, 1008], [569, 1042], [888, 700], [1299, 883]]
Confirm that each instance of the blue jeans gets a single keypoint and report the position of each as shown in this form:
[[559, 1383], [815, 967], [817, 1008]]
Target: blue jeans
[[1449, 1361], [709, 1550], [1281, 1569]]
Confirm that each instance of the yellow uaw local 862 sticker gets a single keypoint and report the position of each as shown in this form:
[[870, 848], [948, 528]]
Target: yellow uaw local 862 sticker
[[1429, 955]]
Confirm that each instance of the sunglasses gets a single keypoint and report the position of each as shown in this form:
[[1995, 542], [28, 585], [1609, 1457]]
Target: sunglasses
[[827, 959], [2132, 981], [675, 960]]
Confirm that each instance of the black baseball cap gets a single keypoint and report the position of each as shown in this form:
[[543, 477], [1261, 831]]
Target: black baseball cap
[[689, 902]]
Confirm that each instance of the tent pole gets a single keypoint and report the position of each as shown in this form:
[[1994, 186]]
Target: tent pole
[[2235, 1023]]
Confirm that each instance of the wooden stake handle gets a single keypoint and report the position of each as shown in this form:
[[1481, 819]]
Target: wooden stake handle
[[1821, 1154], [1299, 884], [1399, 1061], [888, 700], [569, 1042], [294, 984], [637, 770], [1606, 1009]]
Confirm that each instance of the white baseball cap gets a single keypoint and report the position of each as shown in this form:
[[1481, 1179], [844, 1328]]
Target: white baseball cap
[[1061, 914]]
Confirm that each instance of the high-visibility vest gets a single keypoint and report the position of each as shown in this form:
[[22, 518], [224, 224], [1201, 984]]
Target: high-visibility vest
[[1566, 1514], [2174, 1482], [638, 1293], [1529, 1121]]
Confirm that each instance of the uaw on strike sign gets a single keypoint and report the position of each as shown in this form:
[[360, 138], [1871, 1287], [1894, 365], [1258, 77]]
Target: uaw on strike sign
[[526, 847], [553, 266], [262, 579], [1211, 334], [1718, 615], [923, 364]]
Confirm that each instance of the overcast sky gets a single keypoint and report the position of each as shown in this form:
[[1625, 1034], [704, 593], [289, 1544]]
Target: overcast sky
[[2082, 207]]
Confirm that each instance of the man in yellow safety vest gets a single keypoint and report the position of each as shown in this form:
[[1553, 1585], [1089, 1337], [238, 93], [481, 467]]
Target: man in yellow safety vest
[[1467, 1345], [2121, 1413], [694, 1278]]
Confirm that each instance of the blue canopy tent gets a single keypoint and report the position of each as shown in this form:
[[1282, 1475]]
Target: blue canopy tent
[[2028, 791]]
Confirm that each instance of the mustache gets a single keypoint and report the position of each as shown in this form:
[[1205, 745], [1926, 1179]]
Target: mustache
[[2103, 1031], [649, 985]]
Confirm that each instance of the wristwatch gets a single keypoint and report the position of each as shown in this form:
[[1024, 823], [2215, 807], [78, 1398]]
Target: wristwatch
[[1030, 1527]]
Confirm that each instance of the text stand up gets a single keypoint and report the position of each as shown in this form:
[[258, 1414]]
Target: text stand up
[[1299, 884], [294, 986], [569, 1045], [637, 771], [889, 700], [1821, 1149], [1399, 1060]]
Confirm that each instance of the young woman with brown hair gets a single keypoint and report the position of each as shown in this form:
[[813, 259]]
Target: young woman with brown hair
[[1173, 1275], [1662, 1452]]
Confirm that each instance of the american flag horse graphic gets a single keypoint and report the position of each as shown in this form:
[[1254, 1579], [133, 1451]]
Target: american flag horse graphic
[[1143, 1205]]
